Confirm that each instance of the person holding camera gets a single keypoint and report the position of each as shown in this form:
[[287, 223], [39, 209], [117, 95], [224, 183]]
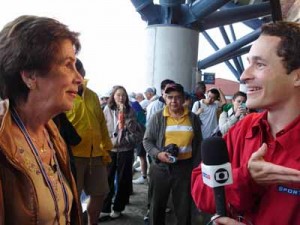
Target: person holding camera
[[173, 139], [235, 113]]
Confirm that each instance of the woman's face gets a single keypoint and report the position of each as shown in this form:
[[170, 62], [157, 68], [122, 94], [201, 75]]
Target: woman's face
[[238, 101], [57, 89], [120, 97]]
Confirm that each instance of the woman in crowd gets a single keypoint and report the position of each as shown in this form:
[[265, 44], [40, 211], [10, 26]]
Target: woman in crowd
[[235, 113], [125, 134], [38, 80]]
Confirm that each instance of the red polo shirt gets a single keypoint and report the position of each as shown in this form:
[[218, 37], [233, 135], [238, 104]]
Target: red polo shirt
[[274, 204]]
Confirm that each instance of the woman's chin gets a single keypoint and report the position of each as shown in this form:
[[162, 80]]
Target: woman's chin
[[67, 106]]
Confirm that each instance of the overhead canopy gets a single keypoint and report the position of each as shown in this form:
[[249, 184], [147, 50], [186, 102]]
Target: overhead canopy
[[202, 15]]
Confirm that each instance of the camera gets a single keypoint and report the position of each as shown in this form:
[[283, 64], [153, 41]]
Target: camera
[[243, 105], [172, 159], [173, 150]]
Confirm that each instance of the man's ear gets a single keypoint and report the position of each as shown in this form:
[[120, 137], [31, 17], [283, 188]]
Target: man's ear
[[297, 77], [29, 78]]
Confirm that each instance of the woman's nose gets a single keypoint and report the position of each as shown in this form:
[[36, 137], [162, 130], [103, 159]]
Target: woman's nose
[[79, 79]]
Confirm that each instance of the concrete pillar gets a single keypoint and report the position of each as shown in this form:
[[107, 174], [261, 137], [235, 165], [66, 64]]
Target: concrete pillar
[[172, 53]]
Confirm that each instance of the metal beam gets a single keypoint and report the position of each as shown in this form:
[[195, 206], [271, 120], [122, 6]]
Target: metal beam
[[202, 8], [227, 42], [216, 48], [239, 52], [230, 48], [149, 12], [233, 36], [233, 15]]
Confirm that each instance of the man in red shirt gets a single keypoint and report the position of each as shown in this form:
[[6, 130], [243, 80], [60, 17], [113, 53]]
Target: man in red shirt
[[264, 148]]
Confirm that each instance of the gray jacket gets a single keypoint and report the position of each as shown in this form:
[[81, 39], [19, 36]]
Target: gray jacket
[[154, 137], [127, 139]]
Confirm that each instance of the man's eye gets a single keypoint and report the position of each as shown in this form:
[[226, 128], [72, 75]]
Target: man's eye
[[260, 65]]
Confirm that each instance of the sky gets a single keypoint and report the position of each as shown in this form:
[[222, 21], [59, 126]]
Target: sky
[[112, 35]]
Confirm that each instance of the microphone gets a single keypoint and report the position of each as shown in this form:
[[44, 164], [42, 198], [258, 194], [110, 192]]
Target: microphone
[[216, 169]]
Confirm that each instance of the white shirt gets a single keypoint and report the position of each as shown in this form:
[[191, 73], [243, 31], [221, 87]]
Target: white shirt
[[208, 117], [153, 107]]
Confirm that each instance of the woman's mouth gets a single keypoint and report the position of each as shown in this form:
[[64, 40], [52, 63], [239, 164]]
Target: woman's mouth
[[72, 93]]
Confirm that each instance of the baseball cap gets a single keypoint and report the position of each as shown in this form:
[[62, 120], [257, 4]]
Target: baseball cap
[[174, 87]]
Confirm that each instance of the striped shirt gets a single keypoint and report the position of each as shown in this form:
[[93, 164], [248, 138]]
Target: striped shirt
[[179, 131]]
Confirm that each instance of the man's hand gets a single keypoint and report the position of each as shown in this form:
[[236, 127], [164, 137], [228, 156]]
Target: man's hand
[[164, 157], [227, 221], [263, 172], [199, 111]]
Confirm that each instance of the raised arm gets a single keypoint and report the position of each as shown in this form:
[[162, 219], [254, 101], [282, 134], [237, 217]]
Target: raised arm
[[222, 98]]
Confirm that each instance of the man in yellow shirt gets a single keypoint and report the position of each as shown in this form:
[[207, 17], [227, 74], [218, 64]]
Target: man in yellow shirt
[[92, 154], [173, 139]]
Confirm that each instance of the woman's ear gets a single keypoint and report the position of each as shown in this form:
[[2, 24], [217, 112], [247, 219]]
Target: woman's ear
[[29, 78]]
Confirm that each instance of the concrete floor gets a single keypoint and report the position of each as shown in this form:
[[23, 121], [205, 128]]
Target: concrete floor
[[136, 209]]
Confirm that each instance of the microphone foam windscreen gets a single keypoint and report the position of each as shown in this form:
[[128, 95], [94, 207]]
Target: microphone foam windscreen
[[214, 151]]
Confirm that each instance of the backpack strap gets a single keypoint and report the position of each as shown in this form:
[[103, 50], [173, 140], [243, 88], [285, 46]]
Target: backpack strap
[[199, 104]]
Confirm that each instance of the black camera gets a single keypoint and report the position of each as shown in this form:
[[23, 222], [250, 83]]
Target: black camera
[[173, 150]]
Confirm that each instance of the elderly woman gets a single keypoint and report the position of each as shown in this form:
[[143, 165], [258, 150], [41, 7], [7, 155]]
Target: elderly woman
[[38, 80]]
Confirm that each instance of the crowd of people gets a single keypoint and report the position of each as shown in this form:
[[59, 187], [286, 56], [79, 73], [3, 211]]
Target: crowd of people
[[90, 146]]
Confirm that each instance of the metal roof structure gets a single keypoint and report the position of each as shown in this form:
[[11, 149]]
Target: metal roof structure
[[202, 15]]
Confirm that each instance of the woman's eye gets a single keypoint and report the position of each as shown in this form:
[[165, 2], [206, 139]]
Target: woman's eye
[[70, 65]]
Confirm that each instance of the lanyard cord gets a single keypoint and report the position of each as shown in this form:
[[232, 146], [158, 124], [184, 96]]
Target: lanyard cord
[[22, 127], [60, 177]]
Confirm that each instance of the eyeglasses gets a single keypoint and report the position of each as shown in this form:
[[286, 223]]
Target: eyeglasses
[[175, 97]]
